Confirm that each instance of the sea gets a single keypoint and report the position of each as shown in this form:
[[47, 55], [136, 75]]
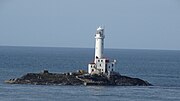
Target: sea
[[159, 67]]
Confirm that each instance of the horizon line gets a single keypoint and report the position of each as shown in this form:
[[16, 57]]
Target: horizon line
[[88, 47]]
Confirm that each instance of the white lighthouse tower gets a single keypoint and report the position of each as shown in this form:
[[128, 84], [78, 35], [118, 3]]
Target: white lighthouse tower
[[101, 65], [99, 44]]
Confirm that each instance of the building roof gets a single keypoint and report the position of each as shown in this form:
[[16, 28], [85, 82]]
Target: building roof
[[91, 63]]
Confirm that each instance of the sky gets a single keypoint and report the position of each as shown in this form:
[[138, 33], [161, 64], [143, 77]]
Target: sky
[[129, 24]]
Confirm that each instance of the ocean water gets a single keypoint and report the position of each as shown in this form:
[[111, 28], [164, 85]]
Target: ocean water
[[159, 67]]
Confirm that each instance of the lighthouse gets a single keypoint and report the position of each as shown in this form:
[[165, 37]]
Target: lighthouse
[[101, 64], [99, 43]]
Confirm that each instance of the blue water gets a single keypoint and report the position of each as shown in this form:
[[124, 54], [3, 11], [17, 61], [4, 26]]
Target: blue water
[[159, 67]]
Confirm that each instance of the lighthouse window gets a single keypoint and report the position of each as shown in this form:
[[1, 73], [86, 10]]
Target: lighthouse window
[[98, 60], [101, 60], [112, 69], [100, 65], [112, 65], [92, 70], [106, 70]]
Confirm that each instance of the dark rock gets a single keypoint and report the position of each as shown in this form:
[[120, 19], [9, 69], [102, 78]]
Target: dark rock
[[77, 78]]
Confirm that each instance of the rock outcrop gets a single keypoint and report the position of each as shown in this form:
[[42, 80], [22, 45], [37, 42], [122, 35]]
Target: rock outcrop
[[77, 78]]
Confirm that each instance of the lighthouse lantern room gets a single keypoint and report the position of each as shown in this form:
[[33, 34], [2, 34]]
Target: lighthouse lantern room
[[101, 65]]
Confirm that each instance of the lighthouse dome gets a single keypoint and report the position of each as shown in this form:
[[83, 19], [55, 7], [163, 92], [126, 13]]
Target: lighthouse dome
[[99, 28]]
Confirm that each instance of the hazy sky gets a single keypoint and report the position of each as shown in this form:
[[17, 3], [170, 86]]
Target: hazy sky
[[129, 24]]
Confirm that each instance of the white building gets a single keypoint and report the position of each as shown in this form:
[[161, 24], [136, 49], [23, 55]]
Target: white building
[[101, 65]]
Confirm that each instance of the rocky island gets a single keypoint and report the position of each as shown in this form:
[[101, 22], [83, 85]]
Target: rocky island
[[77, 78], [100, 72]]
